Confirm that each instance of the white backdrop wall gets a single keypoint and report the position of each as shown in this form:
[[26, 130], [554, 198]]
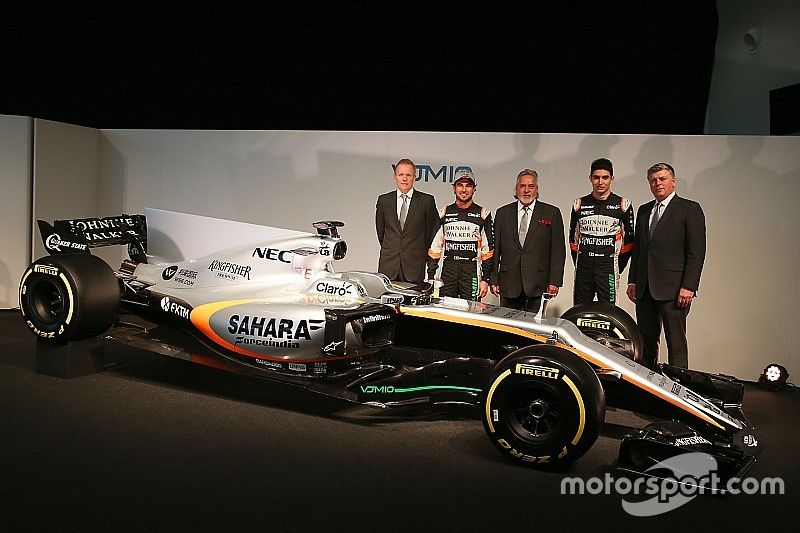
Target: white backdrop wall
[[15, 199], [65, 182], [748, 186]]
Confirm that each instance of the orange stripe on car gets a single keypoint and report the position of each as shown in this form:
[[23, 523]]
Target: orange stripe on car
[[201, 318], [634, 380]]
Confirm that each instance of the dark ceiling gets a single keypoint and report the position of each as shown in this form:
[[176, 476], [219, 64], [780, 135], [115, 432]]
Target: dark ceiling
[[617, 67]]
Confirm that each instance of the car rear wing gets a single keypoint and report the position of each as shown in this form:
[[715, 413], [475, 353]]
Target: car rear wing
[[80, 234]]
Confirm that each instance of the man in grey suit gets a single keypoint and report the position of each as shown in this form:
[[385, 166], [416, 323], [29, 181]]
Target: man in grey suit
[[406, 221], [529, 247], [665, 266]]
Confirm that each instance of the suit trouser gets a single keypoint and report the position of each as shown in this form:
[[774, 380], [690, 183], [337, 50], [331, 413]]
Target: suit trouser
[[402, 276], [650, 315], [523, 302]]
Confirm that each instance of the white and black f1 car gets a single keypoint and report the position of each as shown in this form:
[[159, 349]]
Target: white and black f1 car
[[276, 308]]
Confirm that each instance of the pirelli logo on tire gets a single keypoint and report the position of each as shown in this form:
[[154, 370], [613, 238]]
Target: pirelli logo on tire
[[46, 269], [536, 370], [594, 324]]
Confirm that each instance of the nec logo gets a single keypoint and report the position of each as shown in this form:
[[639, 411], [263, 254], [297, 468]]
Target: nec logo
[[272, 254], [443, 173]]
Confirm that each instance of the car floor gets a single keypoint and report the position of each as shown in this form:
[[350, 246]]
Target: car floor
[[161, 444]]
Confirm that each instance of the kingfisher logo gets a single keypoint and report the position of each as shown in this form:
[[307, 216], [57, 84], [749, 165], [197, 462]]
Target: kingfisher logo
[[443, 173]]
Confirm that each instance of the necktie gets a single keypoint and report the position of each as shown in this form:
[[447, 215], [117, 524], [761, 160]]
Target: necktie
[[523, 226], [654, 221], [403, 210]]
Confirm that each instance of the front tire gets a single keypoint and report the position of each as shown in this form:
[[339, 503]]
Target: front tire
[[69, 297], [543, 405]]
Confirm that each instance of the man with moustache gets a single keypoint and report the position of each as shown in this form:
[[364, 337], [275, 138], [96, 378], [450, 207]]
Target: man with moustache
[[529, 247], [466, 240]]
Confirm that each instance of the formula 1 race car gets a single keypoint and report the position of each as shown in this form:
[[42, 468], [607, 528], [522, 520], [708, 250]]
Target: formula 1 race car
[[275, 308]]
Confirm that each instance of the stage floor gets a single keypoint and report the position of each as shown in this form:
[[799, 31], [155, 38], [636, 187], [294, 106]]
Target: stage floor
[[158, 443]]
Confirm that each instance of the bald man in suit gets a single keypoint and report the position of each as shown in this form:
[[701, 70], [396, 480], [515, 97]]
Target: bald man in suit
[[529, 247], [666, 265], [406, 221]]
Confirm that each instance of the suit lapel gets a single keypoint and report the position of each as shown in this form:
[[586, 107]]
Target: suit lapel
[[665, 216], [412, 207]]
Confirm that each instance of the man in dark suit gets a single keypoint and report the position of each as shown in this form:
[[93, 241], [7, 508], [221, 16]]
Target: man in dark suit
[[529, 247], [665, 266], [406, 221]]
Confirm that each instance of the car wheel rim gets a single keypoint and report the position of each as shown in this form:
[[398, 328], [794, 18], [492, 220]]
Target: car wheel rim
[[47, 303], [535, 412]]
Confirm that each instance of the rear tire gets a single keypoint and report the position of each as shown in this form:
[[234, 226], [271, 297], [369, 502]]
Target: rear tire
[[69, 297], [597, 319], [544, 405]]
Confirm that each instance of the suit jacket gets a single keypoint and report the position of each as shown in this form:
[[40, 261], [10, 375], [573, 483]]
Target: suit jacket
[[674, 257], [537, 264], [406, 248]]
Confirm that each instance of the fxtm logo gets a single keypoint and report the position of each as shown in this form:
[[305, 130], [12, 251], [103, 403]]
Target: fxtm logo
[[175, 308]]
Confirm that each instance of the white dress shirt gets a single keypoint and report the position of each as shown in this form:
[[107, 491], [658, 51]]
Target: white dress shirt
[[521, 211]]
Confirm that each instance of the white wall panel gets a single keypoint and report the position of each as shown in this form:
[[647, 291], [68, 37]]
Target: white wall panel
[[65, 180], [15, 199]]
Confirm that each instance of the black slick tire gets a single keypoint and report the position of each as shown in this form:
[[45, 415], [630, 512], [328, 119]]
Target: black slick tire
[[69, 297]]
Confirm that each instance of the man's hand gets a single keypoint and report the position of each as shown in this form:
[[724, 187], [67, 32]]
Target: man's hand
[[631, 292], [685, 297], [496, 290], [483, 288], [552, 289]]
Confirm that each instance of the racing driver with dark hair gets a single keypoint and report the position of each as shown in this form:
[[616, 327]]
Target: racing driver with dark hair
[[600, 237], [466, 240]]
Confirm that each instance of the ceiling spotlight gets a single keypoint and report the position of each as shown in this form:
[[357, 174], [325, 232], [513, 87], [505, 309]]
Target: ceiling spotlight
[[774, 377], [754, 38]]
